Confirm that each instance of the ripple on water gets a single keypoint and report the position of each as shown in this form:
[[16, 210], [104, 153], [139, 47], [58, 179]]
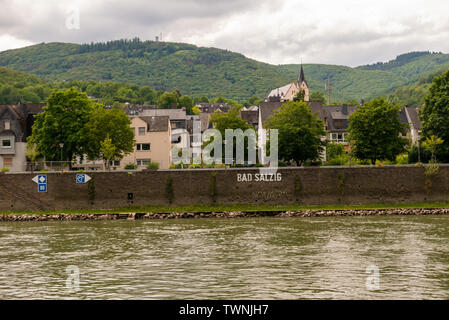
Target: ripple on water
[[250, 258]]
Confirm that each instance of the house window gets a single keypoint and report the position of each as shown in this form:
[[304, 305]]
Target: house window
[[143, 147], [143, 162], [7, 125], [115, 163], [339, 137], [6, 143], [173, 125], [141, 131], [7, 162]]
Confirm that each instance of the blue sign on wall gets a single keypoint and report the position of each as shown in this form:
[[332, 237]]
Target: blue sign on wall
[[82, 178], [41, 181], [42, 187]]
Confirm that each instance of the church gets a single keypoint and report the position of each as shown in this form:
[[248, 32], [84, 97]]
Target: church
[[289, 91]]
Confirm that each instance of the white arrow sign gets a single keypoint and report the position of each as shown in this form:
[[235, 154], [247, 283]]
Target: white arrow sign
[[40, 179]]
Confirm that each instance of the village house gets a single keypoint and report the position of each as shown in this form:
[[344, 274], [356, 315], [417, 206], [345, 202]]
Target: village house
[[15, 127], [213, 107], [153, 142]]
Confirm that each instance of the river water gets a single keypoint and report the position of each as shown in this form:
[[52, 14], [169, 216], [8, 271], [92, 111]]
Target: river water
[[247, 258]]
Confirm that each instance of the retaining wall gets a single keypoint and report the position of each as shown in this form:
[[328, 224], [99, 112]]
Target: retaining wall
[[304, 186]]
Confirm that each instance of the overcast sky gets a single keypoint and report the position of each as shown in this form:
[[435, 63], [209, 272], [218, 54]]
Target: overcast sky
[[347, 32]]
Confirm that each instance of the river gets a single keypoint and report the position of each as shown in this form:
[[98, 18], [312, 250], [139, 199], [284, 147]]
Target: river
[[244, 258]]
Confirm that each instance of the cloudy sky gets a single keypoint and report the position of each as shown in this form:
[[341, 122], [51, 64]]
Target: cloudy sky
[[347, 32]]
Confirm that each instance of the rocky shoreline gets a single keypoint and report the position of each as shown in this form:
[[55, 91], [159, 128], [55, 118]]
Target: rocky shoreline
[[226, 214]]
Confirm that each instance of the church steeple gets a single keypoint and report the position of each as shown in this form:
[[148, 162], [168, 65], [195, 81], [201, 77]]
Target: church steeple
[[301, 78]]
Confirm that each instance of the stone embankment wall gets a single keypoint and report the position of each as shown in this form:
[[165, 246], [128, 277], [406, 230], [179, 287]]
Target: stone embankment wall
[[228, 214], [289, 186]]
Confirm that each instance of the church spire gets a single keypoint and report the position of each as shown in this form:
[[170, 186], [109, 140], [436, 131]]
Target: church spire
[[301, 78]]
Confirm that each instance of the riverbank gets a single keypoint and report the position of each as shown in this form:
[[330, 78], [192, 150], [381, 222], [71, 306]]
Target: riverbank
[[226, 212]]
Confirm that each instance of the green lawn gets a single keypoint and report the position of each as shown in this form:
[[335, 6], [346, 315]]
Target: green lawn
[[219, 208]]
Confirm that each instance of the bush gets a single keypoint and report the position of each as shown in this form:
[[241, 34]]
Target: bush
[[153, 165], [338, 161], [384, 162], [194, 166], [334, 150], [178, 166], [413, 154], [4, 169], [402, 159], [130, 166]]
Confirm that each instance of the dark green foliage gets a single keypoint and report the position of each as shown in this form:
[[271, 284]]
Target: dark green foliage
[[153, 165], [198, 71], [230, 120], [169, 190], [130, 166], [213, 186], [91, 190], [398, 62], [318, 96], [425, 154], [298, 186], [62, 121], [414, 95], [341, 184], [300, 132], [113, 123], [168, 100], [435, 114], [334, 150], [374, 131]]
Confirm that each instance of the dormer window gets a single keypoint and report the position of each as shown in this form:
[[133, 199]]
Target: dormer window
[[6, 143]]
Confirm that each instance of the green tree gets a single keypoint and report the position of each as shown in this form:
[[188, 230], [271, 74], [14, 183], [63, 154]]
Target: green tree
[[168, 100], [230, 120], [113, 125], [300, 132], [204, 99], [318, 96], [62, 121], [147, 95], [108, 150], [186, 102], [300, 96], [432, 143], [374, 131], [196, 110], [435, 114]]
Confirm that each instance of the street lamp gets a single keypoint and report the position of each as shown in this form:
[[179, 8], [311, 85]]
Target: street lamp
[[61, 145]]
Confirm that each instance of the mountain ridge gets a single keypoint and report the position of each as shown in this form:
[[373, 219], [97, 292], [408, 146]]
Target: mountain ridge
[[213, 72]]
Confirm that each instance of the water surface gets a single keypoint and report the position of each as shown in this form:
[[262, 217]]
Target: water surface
[[247, 258]]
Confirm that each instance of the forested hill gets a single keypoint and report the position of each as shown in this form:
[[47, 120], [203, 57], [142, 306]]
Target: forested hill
[[199, 71]]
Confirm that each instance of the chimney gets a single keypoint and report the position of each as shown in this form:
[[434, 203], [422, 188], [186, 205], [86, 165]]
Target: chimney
[[344, 109]]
